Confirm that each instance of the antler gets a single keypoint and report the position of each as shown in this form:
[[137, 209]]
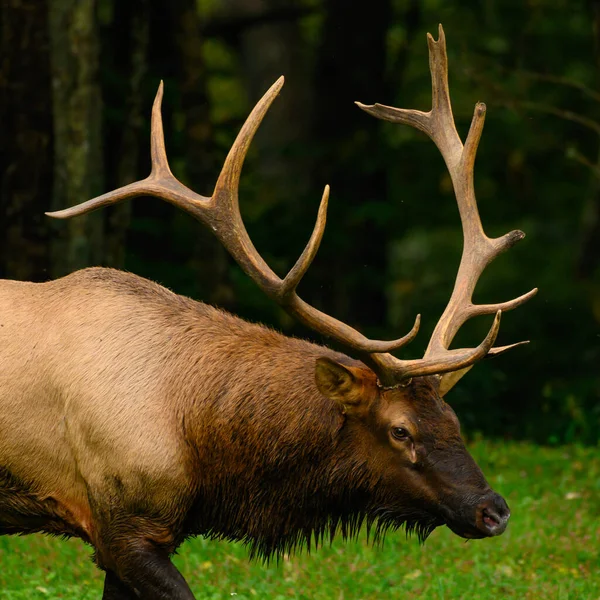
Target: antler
[[478, 250], [221, 214]]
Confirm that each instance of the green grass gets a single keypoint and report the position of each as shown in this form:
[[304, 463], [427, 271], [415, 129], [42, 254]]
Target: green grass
[[551, 550]]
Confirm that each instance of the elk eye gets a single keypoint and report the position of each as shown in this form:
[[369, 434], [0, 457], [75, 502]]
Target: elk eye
[[400, 433]]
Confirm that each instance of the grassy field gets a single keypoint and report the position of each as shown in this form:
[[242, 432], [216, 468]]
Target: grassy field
[[551, 550]]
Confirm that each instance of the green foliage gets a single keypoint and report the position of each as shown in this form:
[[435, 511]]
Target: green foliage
[[550, 549]]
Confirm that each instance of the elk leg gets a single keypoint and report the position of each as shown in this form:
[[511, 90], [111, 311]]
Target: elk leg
[[148, 569], [115, 589]]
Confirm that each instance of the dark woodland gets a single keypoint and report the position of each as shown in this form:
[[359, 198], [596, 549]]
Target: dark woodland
[[77, 81]]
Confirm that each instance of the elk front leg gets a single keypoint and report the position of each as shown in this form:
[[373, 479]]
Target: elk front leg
[[115, 589], [147, 569]]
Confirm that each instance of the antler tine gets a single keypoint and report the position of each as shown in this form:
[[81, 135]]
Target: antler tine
[[160, 183], [478, 249], [158, 152], [297, 272], [487, 309], [392, 370], [222, 215], [502, 349]]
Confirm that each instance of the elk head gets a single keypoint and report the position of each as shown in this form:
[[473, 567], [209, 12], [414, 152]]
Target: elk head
[[410, 439], [393, 408]]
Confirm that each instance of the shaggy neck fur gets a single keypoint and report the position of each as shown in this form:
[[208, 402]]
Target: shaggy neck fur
[[279, 466]]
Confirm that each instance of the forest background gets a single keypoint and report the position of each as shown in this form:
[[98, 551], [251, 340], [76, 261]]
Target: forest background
[[77, 80]]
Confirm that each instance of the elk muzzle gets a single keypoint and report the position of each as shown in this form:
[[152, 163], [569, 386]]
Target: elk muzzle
[[484, 516], [491, 516]]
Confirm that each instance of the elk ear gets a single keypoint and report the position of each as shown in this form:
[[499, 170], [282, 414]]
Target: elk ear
[[342, 384]]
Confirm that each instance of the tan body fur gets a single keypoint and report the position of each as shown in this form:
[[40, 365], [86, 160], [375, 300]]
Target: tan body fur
[[73, 391], [112, 381]]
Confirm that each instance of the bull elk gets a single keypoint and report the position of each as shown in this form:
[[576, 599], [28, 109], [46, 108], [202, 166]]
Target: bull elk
[[133, 418]]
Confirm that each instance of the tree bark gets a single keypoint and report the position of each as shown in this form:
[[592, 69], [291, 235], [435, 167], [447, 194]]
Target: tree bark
[[209, 261], [267, 36], [77, 131], [126, 46], [589, 258], [26, 139], [352, 66]]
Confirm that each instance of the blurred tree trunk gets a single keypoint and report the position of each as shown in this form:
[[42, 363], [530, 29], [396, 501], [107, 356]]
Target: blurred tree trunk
[[127, 40], [25, 142], [208, 259], [353, 67], [77, 131], [267, 36], [589, 257], [270, 44]]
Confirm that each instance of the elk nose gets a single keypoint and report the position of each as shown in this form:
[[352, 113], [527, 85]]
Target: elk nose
[[492, 515]]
